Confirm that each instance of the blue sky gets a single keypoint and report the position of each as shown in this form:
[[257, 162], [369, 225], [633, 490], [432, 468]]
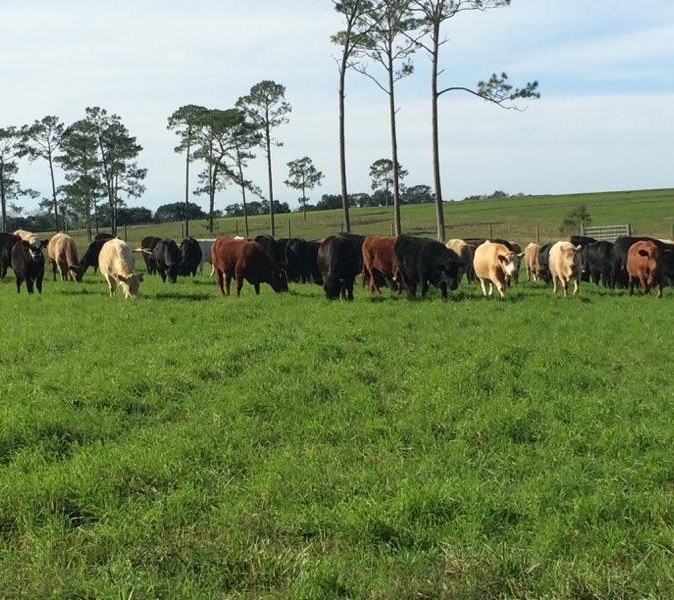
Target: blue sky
[[604, 122]]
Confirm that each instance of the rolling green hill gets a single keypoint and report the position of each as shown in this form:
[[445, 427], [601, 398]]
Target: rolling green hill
[[519, 218]]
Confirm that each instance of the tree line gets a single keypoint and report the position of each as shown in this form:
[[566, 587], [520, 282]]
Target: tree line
[[98, 155]]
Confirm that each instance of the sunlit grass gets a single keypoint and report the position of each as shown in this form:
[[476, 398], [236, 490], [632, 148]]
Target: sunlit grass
[[189, 445]]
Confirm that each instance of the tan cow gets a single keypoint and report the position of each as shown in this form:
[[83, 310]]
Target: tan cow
[[465, 251], [644, 266], [531, 254], [565, 265], [62, 252], [494, 263], [117, 266]]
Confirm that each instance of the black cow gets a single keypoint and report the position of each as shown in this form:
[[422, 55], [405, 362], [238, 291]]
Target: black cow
[[597, 259], [166, 258], [544, 262], [147, 245], [28, 263], [191, 256], [90, 257], [7, 241], [301, 261], [339, 261], [581, 240], [423, 261]]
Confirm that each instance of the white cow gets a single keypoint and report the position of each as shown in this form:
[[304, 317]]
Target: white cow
[[117, 266], [494, 263], [565, 265]]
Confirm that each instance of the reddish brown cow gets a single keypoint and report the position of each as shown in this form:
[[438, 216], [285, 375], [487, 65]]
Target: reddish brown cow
[[245, 260], [379, 262], [644, 266]]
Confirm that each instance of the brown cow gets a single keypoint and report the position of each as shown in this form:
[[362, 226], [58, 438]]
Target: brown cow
[[248, 260], [379, 262], [644, 266], [62, 252]]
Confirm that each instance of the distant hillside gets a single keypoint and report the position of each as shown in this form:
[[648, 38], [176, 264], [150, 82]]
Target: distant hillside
[[519, 218]]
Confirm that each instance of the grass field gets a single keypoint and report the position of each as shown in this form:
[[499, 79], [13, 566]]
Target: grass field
[[187, 445]]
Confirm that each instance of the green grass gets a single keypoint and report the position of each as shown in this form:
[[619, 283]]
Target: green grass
[[281, 446], [522, 218]]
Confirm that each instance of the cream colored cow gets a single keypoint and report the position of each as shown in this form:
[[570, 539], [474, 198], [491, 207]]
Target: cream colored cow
[[531, 254], [565, 265], [494, 263], [117, 266], [62, 252]]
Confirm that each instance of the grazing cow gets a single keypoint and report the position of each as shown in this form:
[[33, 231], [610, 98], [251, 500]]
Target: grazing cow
[[565, 266], [620, 249], [147, 245], [644, 266], [301, 261], [191, 256], [166, 258], [90, 257], [423, 261], [597, 260], [531, 255], [7, 241], [117, 266], [339, 261], [379, 263], [242, 259], [62, 252], [28, 263], [493, 264], [465, 251]]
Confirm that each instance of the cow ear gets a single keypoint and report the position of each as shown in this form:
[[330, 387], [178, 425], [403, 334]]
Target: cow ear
[[502, 258], [642, 252], [25, 243], [520, 255], [45, 243]]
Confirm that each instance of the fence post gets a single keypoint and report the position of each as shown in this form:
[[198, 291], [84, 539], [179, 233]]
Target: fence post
[[236, 226], [289, 234], [491, 233], [538, 235]]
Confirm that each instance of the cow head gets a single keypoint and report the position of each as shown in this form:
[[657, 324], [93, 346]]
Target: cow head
[[449, 272], [131, 285], [279, 281], [35, 247], [509, 264]]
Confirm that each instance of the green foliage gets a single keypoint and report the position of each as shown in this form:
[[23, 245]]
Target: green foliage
[[575, 220], [310, 449]]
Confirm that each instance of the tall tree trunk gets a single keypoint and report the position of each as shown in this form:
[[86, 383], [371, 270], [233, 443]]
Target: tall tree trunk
[[271, 187], [342, 149], [212, 174], [187, 183], [394, 155], [53, 194], [3, 200], [439, 208], [243, 195]]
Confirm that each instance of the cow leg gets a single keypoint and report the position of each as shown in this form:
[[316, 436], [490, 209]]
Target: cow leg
[[239, 285], [228, 282], [424, 288], [484, 287], [112, 285], [660, 286], [501, 289], [53, 270], [349, 290], [631, 286], [256, 286], [38, 284], [29, 285], [19, 280], [443, 290], [576, 286]]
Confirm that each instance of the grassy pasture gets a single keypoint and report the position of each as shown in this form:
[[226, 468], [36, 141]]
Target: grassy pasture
[[650, 212], [189, 445]]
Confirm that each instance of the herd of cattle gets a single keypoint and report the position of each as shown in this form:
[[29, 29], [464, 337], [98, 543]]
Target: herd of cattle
[[402, 263]]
